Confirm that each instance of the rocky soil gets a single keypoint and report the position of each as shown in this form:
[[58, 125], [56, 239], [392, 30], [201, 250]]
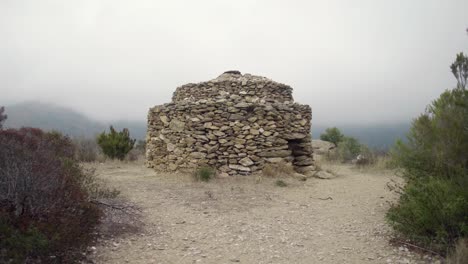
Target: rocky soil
[[248, 219]]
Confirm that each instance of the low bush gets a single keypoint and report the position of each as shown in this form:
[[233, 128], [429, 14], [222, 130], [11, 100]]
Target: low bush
[[87, 150], [433, 212], [204, 173], [116, 145], [45, 200]]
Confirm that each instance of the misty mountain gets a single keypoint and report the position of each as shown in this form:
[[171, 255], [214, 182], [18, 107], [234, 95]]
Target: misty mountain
[[68, 121]]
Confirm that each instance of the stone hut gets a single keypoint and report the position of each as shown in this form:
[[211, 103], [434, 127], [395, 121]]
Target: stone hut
[[235, 123]]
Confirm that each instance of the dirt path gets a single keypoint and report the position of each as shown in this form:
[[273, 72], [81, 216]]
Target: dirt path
[[247, 220]]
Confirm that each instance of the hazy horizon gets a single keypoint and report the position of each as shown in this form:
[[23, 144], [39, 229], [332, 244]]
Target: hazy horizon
[[354, 63], [143, 118]]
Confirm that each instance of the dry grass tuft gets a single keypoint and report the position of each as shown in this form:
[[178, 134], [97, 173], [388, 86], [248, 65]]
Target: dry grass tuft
[[204, 174], [281, 183], [279, 169], [460, 254]]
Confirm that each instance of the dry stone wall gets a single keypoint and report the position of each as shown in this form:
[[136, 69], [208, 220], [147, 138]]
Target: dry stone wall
[[245, 87], [238, 125]]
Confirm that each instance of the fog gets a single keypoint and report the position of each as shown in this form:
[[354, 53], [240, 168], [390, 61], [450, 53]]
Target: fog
[[366, 61]]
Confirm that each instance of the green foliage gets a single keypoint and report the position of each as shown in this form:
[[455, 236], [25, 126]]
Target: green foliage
[[20, 244], [116, 145], [460, 70], [433, 209], [332, 135], [348, 149], [204, 173], [281, 183], [438, 140]]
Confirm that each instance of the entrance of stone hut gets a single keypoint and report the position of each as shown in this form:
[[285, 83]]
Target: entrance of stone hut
[[301, 152]]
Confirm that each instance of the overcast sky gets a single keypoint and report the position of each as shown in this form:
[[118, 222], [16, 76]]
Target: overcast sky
[[360, 61]]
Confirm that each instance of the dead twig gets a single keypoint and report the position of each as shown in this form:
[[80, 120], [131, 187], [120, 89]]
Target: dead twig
[[417, 247], [324, 199], [126, 209]]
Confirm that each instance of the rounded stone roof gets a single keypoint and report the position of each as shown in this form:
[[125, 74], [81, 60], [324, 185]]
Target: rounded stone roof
[[233, 84]]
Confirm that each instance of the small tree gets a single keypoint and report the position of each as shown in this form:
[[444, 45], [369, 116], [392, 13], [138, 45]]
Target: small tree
[[332, 135], [3, 117], [460, 70], [116, 145]]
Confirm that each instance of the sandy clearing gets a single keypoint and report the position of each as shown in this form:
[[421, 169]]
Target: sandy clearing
[[250, 220]]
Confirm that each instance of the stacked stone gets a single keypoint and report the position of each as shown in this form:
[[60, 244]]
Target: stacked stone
[[234, 126], [246, 87]]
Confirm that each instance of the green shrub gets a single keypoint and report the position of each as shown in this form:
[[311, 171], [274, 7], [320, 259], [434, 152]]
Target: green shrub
[[30, 242], [116, 145], [332, 135], [204, 173], [433, 210], [460, 70]]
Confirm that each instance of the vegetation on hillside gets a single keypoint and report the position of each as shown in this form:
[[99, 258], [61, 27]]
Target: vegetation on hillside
[[433, 209]]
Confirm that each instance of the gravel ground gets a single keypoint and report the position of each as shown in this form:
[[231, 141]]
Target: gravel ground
[[250, 219]]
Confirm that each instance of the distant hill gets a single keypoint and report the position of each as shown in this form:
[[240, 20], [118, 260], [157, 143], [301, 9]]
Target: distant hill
[[377, 136], [68, 121]]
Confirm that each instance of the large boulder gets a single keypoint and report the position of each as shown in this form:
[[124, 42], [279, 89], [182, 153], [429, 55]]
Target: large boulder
[[322, 147]]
